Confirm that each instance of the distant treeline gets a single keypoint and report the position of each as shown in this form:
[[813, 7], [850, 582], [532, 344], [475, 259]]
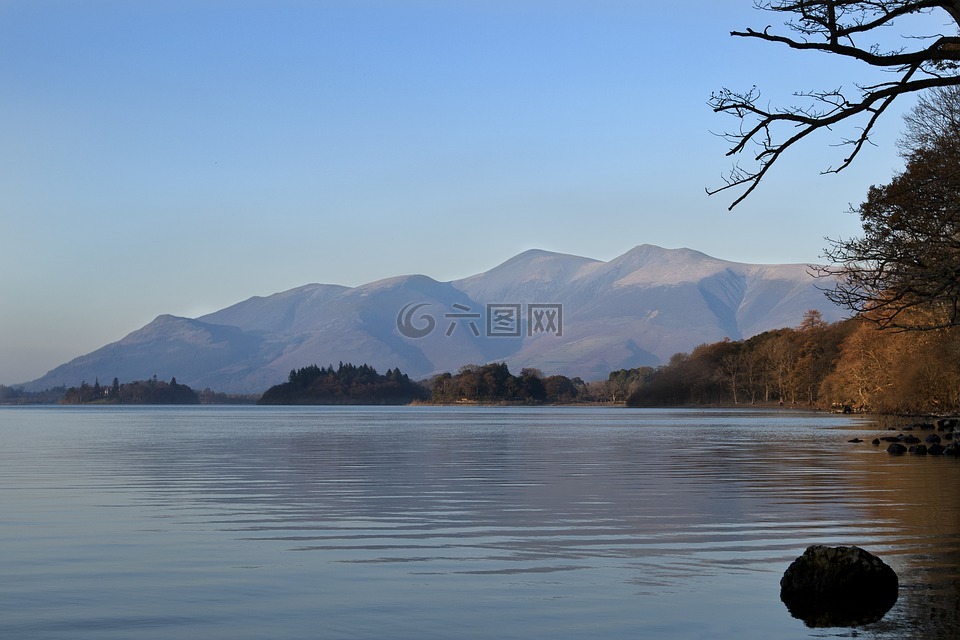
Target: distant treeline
[[16, 395], [848, 365], [141, 392], [784, 366], [347, 384], [138, 392], [487, 384]]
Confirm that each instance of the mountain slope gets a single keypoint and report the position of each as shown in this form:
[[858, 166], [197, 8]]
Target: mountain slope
[[207, 355], [560, 313]]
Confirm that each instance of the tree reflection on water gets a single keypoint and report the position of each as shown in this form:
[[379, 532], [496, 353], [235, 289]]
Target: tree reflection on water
[[918, 495]]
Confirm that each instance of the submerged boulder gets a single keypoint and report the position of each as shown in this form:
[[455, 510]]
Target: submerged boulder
[[838, 587]]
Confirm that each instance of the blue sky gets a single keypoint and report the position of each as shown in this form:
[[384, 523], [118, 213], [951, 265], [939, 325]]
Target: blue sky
[[179, 156]]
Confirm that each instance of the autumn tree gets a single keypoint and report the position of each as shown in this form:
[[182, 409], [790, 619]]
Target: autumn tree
[[622, 382], [814, 356], [897, 372], [778, 354], [863, 372], [846, 29], [729, 368], [904, 272], [561, 389], [766, 365]]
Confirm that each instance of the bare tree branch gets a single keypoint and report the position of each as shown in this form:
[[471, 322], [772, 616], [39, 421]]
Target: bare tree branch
[[830, 26]]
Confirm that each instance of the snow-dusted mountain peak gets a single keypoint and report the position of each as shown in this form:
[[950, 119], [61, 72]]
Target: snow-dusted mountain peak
[[637, 309]]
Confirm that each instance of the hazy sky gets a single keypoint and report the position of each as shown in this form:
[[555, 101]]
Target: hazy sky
[[165, 156]]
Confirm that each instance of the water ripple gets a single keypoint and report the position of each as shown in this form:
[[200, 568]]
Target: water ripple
[[408, 522]]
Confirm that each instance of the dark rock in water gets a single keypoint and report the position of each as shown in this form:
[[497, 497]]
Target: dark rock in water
[[951, 449], [855, 440], [896, 448], [911, 440], [935, 450], [892, 438], [838, 587], [932, 438], [947, 424], [918, 449], [875, 442], [925, 425]]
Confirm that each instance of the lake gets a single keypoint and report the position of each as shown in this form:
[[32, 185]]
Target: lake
[[454, 522]]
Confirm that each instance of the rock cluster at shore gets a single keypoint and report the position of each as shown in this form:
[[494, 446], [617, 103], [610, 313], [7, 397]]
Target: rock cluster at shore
[[941, 442]]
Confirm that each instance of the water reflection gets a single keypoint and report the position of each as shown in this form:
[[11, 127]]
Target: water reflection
[[522, 494], [503, 514], [838, 587], [919, 494], [707, 496]]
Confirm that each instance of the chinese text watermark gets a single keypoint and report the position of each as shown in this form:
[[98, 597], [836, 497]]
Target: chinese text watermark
[[502, 320]]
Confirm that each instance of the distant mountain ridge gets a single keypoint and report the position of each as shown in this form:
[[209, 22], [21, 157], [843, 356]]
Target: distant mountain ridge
[[560, 313]]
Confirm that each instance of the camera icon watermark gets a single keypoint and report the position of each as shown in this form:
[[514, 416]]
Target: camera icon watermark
[[503, 320]]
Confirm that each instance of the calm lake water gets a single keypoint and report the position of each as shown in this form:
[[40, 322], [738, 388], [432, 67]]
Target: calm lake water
[[463, 522]]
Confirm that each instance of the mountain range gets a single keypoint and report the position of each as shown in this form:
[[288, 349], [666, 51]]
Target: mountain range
[[560, 313]]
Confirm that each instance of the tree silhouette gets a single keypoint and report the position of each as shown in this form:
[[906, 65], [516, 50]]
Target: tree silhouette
[[904, 272], [849, 30]]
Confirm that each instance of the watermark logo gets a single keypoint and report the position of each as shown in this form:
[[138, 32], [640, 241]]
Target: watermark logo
[[503, 320], [545, 318], [405, 323], [463, 313]]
